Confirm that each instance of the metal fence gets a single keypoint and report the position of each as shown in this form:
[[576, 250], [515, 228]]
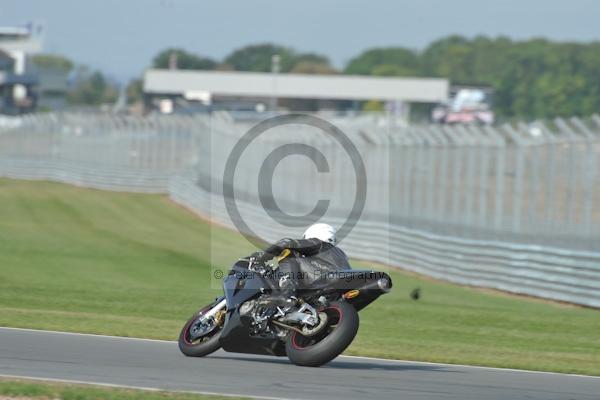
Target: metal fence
[[101, 151], [513, 207]]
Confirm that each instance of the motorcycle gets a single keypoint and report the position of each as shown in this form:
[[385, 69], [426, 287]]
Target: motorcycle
[[310, 329]]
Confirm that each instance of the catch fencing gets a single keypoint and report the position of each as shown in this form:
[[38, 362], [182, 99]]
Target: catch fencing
[[101, 151], [513, 207]]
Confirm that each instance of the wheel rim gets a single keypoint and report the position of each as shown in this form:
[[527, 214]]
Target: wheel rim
[[198, 331], [334, 318]]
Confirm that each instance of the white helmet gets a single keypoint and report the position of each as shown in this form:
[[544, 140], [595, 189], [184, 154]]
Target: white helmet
[[323, 232]]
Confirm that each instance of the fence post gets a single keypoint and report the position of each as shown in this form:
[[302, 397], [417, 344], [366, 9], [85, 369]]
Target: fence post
[[474, 168], [416, 170], [589, 175], [457, 152], [442, 181], [517, 192], [531, 185], [407, 172], [500, 175], [573, 175], [429, 148], [482, 143]]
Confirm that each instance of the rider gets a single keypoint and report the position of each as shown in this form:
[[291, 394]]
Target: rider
[[304, 261]]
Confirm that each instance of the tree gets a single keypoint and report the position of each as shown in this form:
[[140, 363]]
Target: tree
[[391, 70], [258, 58], [183, 60], [311, 63], [535, 78], [135, 91], [224, 67], [449, 57], [310, 58], [52, 61], [91, 89], [310, 67], [406, 61]]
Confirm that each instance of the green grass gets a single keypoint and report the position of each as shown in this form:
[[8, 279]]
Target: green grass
[[45, 390], [136, 265]]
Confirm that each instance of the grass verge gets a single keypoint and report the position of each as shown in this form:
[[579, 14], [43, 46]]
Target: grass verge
[[27, 389], [123, 264]]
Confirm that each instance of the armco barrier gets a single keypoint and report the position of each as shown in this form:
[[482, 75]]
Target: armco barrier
[[547, 272]]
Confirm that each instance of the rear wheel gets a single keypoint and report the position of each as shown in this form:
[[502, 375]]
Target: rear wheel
[[331, 341], [200, 336]]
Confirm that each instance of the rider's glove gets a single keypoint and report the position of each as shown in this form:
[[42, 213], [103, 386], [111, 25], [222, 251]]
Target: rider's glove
[[259, 256]]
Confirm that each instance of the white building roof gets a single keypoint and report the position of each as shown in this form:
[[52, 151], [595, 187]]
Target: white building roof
[[253, 84], [14, 31]]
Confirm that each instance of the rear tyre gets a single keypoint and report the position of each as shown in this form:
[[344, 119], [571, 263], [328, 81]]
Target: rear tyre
[[193, 344], [342, 325]]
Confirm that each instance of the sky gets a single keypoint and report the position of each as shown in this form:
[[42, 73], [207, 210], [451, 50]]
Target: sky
[[120, 37]]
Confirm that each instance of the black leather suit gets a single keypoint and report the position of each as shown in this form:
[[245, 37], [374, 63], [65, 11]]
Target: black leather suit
[[309, 261]]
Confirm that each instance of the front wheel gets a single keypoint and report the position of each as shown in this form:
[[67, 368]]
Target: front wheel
[[200, 335], [314, 351]]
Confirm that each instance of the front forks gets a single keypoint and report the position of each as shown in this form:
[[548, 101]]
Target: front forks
[[215, 309]]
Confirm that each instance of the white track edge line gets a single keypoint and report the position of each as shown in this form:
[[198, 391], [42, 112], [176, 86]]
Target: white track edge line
[[144, 388], [528, 371], [88, 334], [344, 356]]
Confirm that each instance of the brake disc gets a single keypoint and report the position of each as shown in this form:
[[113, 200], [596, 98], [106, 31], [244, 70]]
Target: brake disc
[[202, 328], [306, 331]]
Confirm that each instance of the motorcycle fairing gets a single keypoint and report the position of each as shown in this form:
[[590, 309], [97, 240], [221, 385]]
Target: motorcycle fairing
[[242, 285]]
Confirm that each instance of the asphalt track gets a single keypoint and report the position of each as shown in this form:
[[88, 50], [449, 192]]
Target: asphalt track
[[153, 364]]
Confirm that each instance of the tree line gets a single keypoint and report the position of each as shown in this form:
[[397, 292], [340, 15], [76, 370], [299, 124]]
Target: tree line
[[535, 78]]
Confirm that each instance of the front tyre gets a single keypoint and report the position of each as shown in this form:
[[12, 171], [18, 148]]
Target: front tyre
[[199, 336], [342, 325]]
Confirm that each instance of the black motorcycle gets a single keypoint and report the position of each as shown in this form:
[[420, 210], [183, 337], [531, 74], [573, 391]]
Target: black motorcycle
[[311, 329]]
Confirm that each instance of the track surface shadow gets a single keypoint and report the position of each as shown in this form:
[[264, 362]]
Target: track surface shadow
[[351, 365]]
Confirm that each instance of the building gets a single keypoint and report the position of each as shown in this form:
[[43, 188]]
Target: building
[[166, 89], [17, 84], [52, 87]]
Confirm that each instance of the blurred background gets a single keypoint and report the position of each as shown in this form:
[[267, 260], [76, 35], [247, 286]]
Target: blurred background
[[522, 60]]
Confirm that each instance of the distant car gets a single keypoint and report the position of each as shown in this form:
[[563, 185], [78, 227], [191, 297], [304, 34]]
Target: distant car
[[466, 105]]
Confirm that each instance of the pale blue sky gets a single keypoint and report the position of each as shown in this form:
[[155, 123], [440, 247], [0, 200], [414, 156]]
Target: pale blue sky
[[121, 36]]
